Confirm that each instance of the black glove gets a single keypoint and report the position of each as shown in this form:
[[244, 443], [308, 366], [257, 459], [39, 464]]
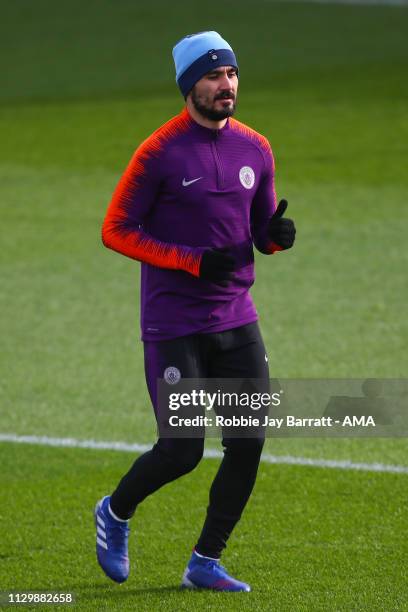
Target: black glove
[[217, 266], [281, 231]]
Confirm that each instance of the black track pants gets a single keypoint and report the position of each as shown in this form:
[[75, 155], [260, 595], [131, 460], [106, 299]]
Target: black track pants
[[235, 353]]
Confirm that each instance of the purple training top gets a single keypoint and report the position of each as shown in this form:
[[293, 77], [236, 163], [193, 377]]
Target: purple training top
[[187, 188]]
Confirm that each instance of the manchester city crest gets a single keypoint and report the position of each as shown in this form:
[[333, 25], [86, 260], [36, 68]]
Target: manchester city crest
[[247, 177], [172, 375]]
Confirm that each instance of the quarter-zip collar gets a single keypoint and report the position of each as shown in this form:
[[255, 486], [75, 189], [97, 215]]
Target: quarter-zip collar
[[201, 129]]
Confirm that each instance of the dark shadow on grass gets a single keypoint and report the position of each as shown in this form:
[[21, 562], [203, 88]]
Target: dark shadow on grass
[[83, 593], [102, 590], [99, 591]]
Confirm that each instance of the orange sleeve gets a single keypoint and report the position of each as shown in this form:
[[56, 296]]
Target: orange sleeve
[[264, 204], [132, 199]]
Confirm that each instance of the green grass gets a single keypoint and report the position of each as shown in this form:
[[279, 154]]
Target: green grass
[[82, 85], [310, 539]]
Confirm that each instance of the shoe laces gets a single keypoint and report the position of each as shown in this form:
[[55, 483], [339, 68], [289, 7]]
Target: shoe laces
[[215, 566], [118, 532]]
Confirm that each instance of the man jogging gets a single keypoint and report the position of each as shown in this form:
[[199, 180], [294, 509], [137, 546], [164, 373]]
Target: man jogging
[[194, 199]]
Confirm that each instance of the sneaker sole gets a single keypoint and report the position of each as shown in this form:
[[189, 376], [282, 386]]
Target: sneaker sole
[[187, 584]]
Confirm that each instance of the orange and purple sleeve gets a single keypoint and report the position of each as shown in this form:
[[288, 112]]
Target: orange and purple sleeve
[[131, 202], [264, 205]]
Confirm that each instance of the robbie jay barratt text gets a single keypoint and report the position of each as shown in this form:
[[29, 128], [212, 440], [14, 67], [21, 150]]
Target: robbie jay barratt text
[[289, 421]]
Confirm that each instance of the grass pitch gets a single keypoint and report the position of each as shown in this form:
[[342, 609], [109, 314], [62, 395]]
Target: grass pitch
[[82, 85], [310, 539]]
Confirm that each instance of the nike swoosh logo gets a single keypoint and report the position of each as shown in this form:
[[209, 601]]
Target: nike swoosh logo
[[187, 183]]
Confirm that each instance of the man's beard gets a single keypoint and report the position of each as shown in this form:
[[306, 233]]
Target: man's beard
[[208, 111]]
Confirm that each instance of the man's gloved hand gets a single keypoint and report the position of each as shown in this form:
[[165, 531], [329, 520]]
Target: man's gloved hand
[[217, 266], [281, 231]]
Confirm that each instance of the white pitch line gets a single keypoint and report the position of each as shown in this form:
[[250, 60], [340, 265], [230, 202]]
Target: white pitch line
[[402, 3], [209, 453]]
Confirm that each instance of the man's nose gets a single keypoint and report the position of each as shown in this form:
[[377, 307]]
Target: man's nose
[[226, 81]]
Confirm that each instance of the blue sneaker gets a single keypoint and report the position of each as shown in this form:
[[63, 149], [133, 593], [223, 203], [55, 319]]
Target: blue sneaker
[[205, 573], [111, 542]]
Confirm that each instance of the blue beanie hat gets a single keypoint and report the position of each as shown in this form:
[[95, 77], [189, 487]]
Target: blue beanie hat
[[196, 54]]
